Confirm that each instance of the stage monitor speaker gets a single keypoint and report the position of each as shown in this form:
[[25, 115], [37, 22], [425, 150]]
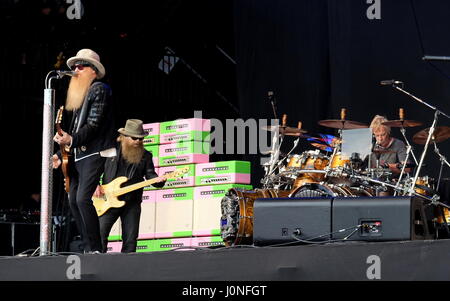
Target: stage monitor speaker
[[275, 221], [379, 218]]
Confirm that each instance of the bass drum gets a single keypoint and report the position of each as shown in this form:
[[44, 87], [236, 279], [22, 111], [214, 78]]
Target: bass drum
[[315, 190], [236, 223]]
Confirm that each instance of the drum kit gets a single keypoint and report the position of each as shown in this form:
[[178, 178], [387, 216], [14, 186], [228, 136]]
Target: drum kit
[[325, 171]]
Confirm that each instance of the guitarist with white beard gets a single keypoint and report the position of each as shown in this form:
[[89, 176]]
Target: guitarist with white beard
[[90, 138], [135, 163]]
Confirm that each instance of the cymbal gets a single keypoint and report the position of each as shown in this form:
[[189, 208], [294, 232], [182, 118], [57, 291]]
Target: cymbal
[[402, 123], [323, 147], [441, 133], [286, 130], [342, 124]]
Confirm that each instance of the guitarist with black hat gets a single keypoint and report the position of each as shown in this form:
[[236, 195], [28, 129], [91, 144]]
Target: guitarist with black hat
[[135, 163]]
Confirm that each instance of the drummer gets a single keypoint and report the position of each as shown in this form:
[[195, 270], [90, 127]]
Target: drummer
[[392, 151]]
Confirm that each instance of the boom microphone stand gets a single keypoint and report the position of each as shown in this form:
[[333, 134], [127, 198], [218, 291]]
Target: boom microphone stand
[[435, 199], [395, 84]]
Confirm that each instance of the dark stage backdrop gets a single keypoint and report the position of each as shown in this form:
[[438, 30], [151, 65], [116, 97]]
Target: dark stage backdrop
[[131, 39], [316, 55], [319, 56]]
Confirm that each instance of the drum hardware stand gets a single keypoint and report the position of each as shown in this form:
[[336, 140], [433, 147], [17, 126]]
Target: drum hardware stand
[[443, 160], [275, 152], [408, 151], [403, 131], [274, 156], [430, 133]]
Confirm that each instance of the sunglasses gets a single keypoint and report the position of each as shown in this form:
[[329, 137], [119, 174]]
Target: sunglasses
[[80, 66], [135, 138]]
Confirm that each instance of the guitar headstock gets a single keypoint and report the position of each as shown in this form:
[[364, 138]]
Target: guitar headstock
[[58, 120], [177, 173]]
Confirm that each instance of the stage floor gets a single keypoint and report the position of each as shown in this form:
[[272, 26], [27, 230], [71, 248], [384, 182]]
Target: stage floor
[[349, 261]]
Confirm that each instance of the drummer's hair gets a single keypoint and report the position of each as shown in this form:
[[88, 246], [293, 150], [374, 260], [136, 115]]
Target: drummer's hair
[[377, 123]]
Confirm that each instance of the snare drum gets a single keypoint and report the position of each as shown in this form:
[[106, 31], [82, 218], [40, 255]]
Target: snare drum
[[339, 161], [424, 185], [312, 160], [236, 223]]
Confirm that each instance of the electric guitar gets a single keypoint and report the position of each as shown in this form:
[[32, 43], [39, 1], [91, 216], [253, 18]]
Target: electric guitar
[[113, 189], [65, 151]]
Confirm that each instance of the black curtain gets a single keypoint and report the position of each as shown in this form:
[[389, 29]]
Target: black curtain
[[319, 56]]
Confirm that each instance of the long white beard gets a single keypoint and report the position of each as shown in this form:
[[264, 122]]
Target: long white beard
[[78, 88]]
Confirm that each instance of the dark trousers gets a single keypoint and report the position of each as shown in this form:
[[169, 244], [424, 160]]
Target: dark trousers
[[129, 215], [83, 181]]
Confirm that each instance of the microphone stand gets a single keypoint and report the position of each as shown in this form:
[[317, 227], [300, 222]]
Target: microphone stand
[[430, 133], [47, 170]]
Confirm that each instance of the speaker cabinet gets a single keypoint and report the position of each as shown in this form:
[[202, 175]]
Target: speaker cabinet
[[379, 219], [285, 220], [275, 221], [18, 237]]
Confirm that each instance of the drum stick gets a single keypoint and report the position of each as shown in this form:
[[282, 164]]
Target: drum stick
[[343, 113], [284, 120]]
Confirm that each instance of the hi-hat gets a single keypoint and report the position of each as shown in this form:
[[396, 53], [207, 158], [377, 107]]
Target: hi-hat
[[286, 130], [342, 124], [402, 123], [441, 133]]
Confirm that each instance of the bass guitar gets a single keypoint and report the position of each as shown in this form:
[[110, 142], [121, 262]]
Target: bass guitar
[[113, 189]]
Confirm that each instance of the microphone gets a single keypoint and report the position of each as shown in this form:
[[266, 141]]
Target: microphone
[[61, 73], [270, 96], [435, 58], [390, 82]]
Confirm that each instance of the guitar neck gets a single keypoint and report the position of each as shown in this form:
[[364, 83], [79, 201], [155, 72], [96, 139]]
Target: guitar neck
[[135, 186]]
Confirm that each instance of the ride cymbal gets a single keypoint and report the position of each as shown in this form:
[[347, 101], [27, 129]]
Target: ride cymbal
[[402, 123], [441, 133], [342, 124]]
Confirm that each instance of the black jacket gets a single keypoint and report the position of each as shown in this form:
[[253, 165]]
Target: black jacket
[[144, 168], [94, 129]]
